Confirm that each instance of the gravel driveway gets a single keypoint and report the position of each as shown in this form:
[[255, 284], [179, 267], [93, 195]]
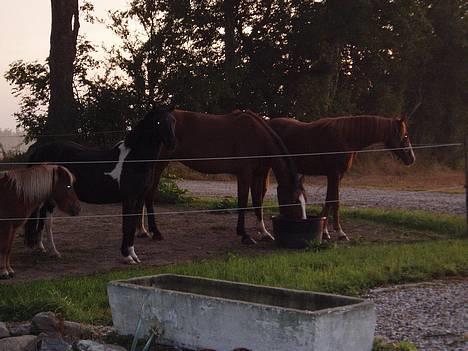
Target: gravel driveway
[[434, 316], [353, 197]]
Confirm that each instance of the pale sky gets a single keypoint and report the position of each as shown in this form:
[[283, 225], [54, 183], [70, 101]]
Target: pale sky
[[25, 34]]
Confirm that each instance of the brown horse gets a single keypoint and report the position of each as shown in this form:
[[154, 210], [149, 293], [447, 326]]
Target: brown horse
[[341, 134], [239, 134], [23, 190]]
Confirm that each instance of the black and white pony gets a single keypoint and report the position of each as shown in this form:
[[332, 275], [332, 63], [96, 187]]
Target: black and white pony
[[101, 182]]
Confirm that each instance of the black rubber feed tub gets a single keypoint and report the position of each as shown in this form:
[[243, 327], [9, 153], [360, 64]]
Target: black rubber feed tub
[[297, 234]]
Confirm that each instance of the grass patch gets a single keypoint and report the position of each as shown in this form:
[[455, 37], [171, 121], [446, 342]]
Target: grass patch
[[343, 269]]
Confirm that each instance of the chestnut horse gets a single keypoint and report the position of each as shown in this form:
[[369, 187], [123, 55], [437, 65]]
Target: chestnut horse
[[340, 134], [240, 134], [23, 190]]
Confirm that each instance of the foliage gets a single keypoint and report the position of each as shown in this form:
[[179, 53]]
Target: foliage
[[380, 345], [280, 57], [226, 203], [170, 193]]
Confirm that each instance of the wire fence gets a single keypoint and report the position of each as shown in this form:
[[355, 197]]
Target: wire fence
[[164, 213]]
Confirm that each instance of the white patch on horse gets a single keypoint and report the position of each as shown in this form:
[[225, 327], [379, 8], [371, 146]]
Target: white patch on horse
[[116, 173], [412, 152], [303, 206], [131, 251], [262, 230]]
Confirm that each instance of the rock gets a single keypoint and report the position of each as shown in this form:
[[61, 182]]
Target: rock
[[89, 345], [16, 343], [45, 322], [21, 329], [45, 342], [76, 330], [4, 332]]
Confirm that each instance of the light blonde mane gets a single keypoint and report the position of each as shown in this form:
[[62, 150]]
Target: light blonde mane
[[34, 184]]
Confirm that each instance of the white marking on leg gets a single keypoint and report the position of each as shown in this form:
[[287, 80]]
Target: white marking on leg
[[49, 238], [262, 230], [128, 260], [412, 152], [116, 173], [303, 206], [342, 235], [131, 251]]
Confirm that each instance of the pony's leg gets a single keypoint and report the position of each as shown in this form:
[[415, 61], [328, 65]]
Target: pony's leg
[[49, 237], [258, 191], [33, 231], [11, 272], [129, 207], [243, 182], [5, 234], [325, 234], [336, 213]]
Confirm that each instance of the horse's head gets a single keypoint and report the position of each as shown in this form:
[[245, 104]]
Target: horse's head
[[161, 121], [399, 141], [292, 199], [63, 193]]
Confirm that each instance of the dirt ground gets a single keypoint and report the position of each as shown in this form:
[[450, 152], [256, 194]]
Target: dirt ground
[[90, 245]]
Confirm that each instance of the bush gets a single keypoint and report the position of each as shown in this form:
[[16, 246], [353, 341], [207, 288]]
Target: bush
[[170, 193]]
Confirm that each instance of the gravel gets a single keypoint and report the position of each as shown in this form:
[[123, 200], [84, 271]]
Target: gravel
[[433, 316], [354, 197]]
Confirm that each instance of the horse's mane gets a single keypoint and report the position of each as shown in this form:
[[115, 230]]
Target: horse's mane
[[33, 184], [360, 127]]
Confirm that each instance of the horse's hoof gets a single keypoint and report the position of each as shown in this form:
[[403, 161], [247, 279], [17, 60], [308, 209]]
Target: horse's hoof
[[11, 274], [343, 238], [55, 254], [143, 235], [247, 240], [326, 237], [4, 276], [157, 236], [128, 260], [267, 237]]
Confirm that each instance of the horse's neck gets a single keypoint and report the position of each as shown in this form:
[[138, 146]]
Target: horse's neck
[[360, 132], [143, 148]]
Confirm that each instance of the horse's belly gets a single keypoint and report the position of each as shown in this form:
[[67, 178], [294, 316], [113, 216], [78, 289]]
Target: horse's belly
[[102, 191]]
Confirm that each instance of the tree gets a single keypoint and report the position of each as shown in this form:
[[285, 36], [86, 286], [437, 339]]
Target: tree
[[62, 111]]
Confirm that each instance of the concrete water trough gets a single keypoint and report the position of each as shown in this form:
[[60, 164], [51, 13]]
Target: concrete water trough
[[197, 313]]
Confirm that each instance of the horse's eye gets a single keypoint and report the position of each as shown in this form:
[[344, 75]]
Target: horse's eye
[[69, 186], [158, 123]]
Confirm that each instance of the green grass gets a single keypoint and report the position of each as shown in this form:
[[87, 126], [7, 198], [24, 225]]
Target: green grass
[[343, 269]]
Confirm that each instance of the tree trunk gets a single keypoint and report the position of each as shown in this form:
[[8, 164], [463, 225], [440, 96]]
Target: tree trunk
[[64, 32], [230, 8]]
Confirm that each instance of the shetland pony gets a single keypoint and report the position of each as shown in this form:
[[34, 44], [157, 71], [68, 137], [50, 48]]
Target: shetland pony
[[240, 134], [23, 190], [110, 176], [342, 134]]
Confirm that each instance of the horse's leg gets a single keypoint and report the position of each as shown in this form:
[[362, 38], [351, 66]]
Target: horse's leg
[[258, 191], [5, 232], [336, 212], [49, 237], [11, 272], [129, 223], [149, 201], [326, 207], [243, 182], [33, 230], [141, 231]]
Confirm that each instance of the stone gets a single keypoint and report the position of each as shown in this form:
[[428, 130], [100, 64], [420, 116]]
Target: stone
[[45, 322], [76, 330], [16, 343], [4, 332], [45, 342], [89, 345], [21, 329]]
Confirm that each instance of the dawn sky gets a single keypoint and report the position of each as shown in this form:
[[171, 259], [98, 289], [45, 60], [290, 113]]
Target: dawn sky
[[25, 32]]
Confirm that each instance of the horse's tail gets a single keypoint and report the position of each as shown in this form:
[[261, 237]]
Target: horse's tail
[[283, 150]]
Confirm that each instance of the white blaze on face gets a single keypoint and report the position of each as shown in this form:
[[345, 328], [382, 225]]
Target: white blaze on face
[[303, 206], [116, 173]]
